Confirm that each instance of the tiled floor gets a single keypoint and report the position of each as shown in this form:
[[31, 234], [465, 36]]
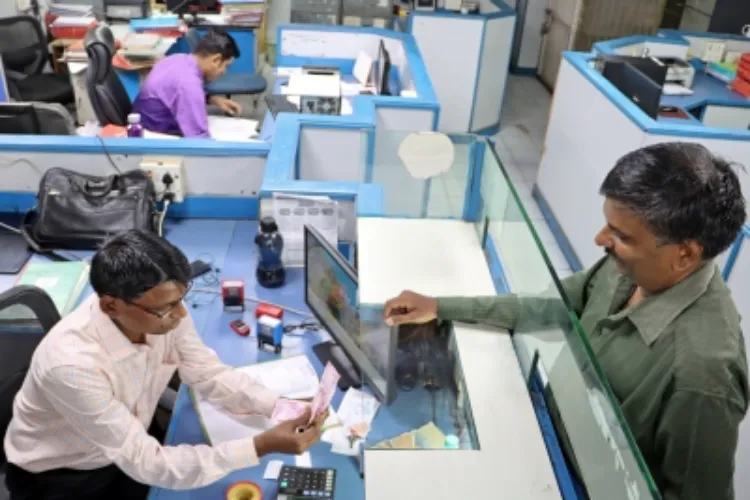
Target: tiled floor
[[519, 145]]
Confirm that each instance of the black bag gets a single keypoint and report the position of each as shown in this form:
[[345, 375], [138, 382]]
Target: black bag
[[80, 211]]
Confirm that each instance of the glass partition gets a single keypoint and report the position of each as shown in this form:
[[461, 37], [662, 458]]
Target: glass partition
[[407, 195], [554, 352]]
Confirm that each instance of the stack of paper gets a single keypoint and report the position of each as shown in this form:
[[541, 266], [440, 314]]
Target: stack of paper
[[225, 128], [244, 12], [72, 10]]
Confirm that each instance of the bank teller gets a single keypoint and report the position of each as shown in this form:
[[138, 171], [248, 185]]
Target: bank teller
[[172, 99], [657, 313], [79, 421]]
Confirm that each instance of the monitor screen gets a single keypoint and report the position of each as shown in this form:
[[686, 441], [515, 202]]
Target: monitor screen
[[384, 70], [4, 94], [332, 294], [635, 85]]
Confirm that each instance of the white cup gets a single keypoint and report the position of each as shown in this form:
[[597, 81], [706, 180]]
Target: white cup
[[746, 30]]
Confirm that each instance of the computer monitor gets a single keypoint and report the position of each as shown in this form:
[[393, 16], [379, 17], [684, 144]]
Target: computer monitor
[[4, 93], [655, 69], [19, 118], [635, 85], [365, 344], [383, 70]]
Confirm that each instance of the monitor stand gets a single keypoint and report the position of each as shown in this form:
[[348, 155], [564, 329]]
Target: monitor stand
[[329, 351]]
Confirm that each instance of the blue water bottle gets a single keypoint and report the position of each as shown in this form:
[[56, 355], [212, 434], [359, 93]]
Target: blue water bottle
[[270, 272]]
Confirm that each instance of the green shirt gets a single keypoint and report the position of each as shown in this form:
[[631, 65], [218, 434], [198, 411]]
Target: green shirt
[[675, 362]]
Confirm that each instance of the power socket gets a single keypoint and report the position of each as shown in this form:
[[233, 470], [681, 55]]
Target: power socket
[[161, 168]]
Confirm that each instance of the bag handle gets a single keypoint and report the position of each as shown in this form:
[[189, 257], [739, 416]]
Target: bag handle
[[100, 189]]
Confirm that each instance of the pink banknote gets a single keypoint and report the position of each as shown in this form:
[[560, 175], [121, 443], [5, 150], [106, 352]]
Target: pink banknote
[[287, 409], [326, 390]]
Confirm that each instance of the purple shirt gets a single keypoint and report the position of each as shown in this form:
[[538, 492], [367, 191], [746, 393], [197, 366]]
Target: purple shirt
[[172, 99]]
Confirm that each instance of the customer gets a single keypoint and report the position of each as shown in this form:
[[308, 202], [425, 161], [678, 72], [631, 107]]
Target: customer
[[79, 421], [657, 313], [172, 100]]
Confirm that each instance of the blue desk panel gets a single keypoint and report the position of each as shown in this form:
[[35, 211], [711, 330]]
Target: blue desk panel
[[410, 410]]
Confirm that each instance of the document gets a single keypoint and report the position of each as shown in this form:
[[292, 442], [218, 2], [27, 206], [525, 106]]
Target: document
[[293, 213], [227, 128], [357, 408], [303, 460], [273, 469], [293, 378]]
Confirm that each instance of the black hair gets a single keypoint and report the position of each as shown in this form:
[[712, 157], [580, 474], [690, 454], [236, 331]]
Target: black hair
[[683, 192], [217, 41], [133, 262]]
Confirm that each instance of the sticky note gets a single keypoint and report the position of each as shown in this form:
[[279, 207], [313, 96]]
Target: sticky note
[[272, 469]]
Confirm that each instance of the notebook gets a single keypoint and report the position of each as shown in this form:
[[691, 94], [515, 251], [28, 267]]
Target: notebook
[[63, 281]]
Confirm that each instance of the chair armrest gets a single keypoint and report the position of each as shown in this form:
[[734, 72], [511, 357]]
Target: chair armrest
[[35, 299]]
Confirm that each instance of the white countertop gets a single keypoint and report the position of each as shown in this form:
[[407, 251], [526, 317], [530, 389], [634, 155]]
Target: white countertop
[[443, 257]]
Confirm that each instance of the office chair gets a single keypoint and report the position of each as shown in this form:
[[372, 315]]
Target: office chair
[[23, 47], [16, 351], [108, 97], [17, 348], [35, 118], [231, 83]]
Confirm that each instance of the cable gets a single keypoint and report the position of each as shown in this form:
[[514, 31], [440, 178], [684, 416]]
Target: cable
[[305, 326], [162, 215], [109, 157]]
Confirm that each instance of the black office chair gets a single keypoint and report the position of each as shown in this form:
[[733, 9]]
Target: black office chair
[[35, 118], [23, 47], [108, 96], [18, 340], [16, 349]]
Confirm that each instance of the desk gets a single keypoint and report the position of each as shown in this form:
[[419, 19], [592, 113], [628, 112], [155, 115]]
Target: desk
[[519, 439]]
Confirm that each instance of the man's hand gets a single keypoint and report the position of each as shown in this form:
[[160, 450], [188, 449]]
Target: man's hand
[[285, 438], [410, 307], [226, 105]]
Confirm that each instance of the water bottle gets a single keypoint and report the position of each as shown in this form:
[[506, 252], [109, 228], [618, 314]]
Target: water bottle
[[270, 272], [135, 129]]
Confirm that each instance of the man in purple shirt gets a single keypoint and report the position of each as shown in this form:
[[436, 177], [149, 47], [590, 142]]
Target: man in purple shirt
[[172, 99]]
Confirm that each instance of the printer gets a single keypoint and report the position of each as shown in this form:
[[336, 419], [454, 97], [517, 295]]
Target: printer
[[679, 71], [319, 92], [127, 9]]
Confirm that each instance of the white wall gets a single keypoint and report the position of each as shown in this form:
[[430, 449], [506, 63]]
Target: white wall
[[8, 8], [578, 154], [220, 176]]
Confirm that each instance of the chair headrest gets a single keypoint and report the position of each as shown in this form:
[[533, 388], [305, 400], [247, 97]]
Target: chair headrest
[[100, 33]]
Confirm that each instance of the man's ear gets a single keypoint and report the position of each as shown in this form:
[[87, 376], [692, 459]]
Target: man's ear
[[110, 306], [690, 253]]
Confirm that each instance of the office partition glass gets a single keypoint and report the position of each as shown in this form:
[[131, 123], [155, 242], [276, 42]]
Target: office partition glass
[[553, 349], [441, 196]]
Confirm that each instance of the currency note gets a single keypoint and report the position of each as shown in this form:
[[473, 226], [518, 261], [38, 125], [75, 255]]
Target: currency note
[[287, 409], [326, 390]]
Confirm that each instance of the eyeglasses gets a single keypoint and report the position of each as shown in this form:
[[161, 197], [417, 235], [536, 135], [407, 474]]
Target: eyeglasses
[[165, 311]]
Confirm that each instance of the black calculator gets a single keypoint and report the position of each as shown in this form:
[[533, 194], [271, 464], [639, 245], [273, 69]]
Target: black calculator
[[303, 483]]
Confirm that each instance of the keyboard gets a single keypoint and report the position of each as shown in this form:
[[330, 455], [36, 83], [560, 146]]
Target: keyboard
[[279, 103]]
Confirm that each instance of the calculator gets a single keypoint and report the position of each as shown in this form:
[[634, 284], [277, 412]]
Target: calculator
[[303, 483]]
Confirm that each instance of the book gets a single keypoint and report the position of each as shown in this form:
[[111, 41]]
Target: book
[[64, 282]]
